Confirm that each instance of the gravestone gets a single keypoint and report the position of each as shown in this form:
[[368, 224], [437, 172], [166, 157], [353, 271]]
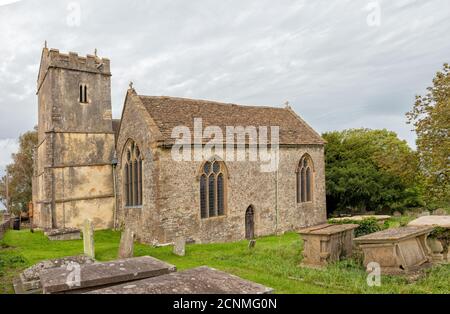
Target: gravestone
[[179, 246], [126, 247], [88, 239], [200, 280], [251, 244]]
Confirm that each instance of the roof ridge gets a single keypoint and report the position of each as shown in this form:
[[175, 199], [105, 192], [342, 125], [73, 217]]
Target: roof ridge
[[212, 102]]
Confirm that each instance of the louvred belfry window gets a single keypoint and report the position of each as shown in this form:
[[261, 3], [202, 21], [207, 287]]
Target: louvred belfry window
[[133, 175], [305, 180], [213, 179]]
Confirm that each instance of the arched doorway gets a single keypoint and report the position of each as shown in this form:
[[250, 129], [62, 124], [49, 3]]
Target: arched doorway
[[250, 223]]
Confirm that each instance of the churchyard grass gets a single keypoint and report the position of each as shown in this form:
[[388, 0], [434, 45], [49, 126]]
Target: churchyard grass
[[273, 262]]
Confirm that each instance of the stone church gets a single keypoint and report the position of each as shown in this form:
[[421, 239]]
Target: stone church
[[122, 172]]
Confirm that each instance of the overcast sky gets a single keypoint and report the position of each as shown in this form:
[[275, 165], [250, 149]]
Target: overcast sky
[[338, 63]]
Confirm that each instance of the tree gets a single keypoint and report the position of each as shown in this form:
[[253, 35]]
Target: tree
[[20, 173], [370, 170], [430, 117]]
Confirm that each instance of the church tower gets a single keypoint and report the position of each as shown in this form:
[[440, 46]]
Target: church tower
[[73, 173]]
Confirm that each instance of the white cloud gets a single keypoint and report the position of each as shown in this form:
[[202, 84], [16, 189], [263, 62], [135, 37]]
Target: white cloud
[[321, 55]]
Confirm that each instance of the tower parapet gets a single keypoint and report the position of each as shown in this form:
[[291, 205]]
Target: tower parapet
[[53, 58]]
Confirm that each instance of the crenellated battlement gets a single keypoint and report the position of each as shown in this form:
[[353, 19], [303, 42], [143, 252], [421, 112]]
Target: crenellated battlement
[[72, 60], [52, 58]]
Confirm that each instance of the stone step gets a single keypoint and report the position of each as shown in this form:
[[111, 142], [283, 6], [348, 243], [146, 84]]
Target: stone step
[[99, 275], [200, 280]]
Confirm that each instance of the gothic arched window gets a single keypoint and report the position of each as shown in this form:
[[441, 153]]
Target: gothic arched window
[[133, 175], [305, 179], [213, 179]]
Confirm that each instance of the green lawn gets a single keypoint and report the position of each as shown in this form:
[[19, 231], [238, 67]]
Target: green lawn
[[273, 262]]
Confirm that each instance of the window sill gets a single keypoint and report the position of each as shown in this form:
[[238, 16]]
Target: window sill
[[133, 207], [214, 218]]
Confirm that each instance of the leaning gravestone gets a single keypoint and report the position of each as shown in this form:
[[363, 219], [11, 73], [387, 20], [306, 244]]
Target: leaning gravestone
[[126, 247], [88, 239], [179, 246]]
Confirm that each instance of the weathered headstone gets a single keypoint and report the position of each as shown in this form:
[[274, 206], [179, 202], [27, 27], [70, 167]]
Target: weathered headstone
[[251, 244], [88, 239], [179, 246], [126, 247]]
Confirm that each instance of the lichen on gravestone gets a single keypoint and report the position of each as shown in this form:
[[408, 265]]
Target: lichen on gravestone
[[88, 239]]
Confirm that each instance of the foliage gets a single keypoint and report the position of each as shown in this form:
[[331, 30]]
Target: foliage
[[430, 117], [20, 173], [273, 262], [370, 170], [366, 226]]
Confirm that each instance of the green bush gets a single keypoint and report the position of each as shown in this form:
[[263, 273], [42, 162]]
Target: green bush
[[366, 226]]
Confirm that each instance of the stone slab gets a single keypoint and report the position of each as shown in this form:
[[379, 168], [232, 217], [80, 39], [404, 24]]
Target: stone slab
[[362, 217], [328, 229], [200, 280], [394, 234], [63, 234], [29, 280], [104, 274], [437, 221]]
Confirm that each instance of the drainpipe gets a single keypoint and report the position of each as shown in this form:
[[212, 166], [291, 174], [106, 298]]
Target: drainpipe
[[276, 201], [114, 163]]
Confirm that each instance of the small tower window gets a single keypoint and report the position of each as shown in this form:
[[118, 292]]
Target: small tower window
[[83, 93]]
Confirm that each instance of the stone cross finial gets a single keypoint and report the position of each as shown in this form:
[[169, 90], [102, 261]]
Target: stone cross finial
[[287, 104], [45, 44], [131, 85]]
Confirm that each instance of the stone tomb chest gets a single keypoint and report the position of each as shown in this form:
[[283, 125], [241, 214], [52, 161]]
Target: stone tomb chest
[[327, 243], [396, 250], [438, 245]]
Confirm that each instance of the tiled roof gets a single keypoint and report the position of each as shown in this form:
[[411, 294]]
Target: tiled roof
[[169, 112]]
